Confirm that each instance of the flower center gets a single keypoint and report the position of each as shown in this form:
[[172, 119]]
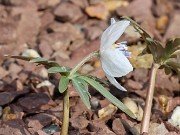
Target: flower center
[[123, 48]]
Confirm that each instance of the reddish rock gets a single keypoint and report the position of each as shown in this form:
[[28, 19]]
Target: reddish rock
[[118, 127], [38, 121], [13, 127], [8, 33], [81, 52], [172, 30], [93, 32], [68, 12], [46, 18], [35, 102], [46, 50], [134, 85], [7, 97], [140, 74], [80, 3], [3, 72]]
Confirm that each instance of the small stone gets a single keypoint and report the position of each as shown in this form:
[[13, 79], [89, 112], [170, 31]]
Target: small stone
[[30, 53], [1, 111], [107, 111], [44, 83], [175, 117], [40, 132], [118, 127], [3, 72], [80, 3], [94, 103], [86, 68], [134, 85], [68, 12], [13, 127], [51, 129], [93, 32], [80, 122], [99, 11], [46, 50], [38, 121], [35, 102], [162, 23], [172, 30]]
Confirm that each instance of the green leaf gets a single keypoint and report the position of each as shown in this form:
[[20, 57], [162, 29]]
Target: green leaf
[[172, 46], [63, 84], [108, 95], [82, 88], [58, 69], [154, 47], [38, 60]]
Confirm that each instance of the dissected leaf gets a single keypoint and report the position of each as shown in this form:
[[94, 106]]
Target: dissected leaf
[[108, 95], [172, 46], [38, 60], [63, 84], [82, 88], [58, 69], [154, 47]]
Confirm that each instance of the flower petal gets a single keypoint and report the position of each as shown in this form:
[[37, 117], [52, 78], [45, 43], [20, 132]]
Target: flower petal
[[114, 63], [115, 83], [112, 33]]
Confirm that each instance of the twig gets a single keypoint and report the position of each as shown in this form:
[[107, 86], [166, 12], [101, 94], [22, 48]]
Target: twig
[[149, 98], [65, 125]]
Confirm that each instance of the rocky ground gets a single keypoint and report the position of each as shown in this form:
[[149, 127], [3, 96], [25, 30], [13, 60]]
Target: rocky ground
[[66, 31]]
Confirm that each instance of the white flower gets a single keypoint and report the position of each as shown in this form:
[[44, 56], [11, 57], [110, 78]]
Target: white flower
[[114, 56]]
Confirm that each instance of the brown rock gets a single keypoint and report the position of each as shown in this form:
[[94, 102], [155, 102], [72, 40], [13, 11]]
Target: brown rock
[[68, 12], [40, 132], [99, 11], [81, 52], [8, 32], [134, 85], [93, 32], [35, 102], [27, 30], [38, 121], [3, 72], [72, 30], [161, 23], [79, 122], [7, 97], [14, 69], [164, 82], [13, 127], [46, 50], [46, 19], [80, 3], [172, 30], [135, 8], [140, 74], [118, 127]]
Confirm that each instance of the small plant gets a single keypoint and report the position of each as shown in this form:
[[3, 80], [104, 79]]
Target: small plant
[[164, 57], [115, 63]]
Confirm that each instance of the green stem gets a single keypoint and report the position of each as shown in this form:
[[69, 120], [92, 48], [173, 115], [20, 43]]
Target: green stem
[[149, 98], [87, 58], [65, 124]]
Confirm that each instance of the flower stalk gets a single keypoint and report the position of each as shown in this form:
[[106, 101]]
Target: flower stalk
[[149, 99], [65, 124]]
